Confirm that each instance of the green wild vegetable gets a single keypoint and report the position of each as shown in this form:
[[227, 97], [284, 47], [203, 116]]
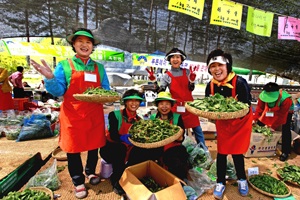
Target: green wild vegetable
[[100, 91]]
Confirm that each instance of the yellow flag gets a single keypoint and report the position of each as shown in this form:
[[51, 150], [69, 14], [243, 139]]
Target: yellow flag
[[259, 22], [226, 13], [193, 8]]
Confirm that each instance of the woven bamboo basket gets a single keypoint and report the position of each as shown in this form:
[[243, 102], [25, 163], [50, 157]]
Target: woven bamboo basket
[[159, 143], [217, 115], [94, 98], [269, 194], [288, 181], [59, 154], [43, 189]]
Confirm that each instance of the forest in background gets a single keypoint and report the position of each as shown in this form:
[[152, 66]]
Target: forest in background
[[145, 26]]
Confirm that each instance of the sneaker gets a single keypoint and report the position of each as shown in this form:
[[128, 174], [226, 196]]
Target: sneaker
[[93, 179], [80, 191], [243, 187], [219, 191]]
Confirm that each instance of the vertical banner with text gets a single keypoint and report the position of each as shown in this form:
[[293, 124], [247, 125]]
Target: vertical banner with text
[[193, 8]]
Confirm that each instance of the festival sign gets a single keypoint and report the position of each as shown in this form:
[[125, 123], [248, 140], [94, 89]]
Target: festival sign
[[259, 22], [226, 13], [192, 8], [288, 28]]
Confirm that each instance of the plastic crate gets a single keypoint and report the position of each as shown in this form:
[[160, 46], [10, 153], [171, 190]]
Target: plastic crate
[[19, 103]]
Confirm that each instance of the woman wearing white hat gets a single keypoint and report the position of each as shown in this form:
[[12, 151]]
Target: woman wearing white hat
[[233, 136], [181, 83], [175, 156], [81, 123], [274, 108]]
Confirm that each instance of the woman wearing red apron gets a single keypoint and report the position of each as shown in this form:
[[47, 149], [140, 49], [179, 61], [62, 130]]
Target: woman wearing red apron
[[233, 136], [181, 84], [274, 108], [6, 101], [118, 147], [81, 123]]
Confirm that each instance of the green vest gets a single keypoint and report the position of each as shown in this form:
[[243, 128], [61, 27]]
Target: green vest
[[80, 66], [175, 117]]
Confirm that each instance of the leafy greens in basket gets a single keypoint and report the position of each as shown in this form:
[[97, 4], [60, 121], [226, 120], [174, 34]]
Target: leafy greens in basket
[[218, 103]]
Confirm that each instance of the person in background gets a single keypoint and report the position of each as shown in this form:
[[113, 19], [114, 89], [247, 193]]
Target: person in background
[[118, 147], [27, 93], [181, 83], [82, 125], [233, 135], [6, 101], [175, 156], [274, 108], [16, 80]]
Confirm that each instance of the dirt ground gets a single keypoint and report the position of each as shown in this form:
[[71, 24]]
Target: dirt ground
[[104, 190]]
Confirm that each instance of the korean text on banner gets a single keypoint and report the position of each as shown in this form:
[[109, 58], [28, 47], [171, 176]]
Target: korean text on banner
[[288, 28], [259, 22], [226, 13], [192, 8]]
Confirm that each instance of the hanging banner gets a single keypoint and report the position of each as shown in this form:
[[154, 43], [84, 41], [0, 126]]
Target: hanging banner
[[192, 8], [36, 49], [288, 28], [259, 22], [151, 60], [226, 13]]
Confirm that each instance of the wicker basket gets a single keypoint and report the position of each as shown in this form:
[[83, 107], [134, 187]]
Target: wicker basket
[[59, 154], [94, 98], [43, 189], [269, 194], [217, 115], [159, 143], [288, 181]]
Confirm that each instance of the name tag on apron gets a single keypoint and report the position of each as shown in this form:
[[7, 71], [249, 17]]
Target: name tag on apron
[[90, 77], [180, 109], [269, 114]]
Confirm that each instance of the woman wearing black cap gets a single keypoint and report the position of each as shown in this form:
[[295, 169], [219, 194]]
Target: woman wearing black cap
[[274, 108], [181, 83], [82, 125], [233, 136]]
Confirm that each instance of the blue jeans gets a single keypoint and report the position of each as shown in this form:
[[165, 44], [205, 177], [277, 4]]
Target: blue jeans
[[199, 134]]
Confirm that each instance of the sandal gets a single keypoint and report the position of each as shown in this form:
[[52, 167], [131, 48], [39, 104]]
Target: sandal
[[93, 179], [80, 191]]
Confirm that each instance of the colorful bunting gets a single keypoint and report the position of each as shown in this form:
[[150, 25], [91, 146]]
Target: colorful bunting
[[259, 22], [226, 13], [193, 8]]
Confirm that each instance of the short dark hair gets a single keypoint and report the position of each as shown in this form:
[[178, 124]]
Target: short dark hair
[[131, 92], [20, 69], [219, 52], [76, 36]]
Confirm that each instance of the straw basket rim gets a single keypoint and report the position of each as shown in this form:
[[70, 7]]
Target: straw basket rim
[[96, 98], [288, 181], [43, 189], [217, 115], [59, 154], [270, 194], [159, 143]]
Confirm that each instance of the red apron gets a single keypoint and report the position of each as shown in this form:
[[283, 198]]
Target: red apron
[[82, 123], [6, 101], [180, 92], [269, 121], [233, 135]]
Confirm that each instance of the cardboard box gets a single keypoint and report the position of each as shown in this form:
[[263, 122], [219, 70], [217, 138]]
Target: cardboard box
[[209, 130], [262, 146], [135, 190]]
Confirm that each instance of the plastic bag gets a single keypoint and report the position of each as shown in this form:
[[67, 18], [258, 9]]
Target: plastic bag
[[230, 170], [35, 127], [199, 180], [200, 156], [47, 178]]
